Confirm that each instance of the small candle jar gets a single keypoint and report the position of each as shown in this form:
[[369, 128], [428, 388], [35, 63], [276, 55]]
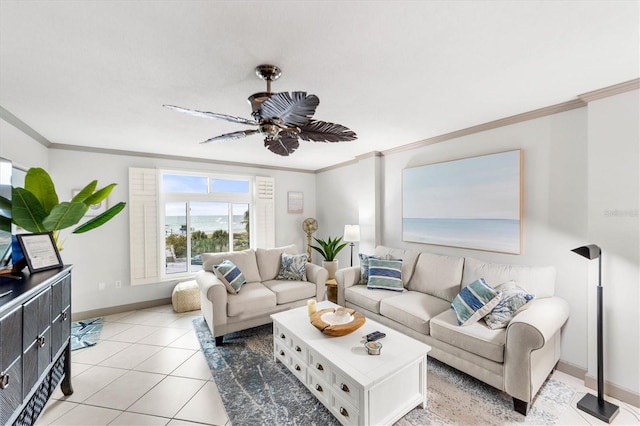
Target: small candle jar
[[311, 306]]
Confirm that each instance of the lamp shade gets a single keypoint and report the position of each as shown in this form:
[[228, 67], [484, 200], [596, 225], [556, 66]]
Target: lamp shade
[[351, 233], [590, 251]]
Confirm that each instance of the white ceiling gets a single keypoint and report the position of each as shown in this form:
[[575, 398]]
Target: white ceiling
[[96, 73]]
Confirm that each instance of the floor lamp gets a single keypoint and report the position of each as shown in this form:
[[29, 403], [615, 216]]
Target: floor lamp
[[597, 407], [351, 234]]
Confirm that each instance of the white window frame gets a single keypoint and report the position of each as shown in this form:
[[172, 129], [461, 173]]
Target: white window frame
[[147, 217]]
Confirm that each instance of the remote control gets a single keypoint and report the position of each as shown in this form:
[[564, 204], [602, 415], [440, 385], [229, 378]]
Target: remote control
[[376, 335]]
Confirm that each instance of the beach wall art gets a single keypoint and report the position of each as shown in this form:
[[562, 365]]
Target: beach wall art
[[471, 203]]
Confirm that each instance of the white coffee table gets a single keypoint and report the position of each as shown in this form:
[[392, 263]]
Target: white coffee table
[[358, 389]]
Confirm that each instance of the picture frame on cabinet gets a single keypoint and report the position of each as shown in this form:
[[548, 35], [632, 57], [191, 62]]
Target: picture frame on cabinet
[[40, 251]]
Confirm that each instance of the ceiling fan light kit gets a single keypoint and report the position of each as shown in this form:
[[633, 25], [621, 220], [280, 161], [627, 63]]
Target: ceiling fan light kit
[[283, 118]]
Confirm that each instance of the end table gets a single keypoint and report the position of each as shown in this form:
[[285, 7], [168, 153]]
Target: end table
[[332, 290]]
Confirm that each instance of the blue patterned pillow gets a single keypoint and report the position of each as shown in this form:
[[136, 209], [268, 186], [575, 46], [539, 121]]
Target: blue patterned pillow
[[364, 267], [293, 267], [512, 298], [474, 301], [230, 276], [385, 274]]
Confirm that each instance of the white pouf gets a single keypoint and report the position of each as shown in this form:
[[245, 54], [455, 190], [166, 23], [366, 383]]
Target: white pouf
[[186, 296]]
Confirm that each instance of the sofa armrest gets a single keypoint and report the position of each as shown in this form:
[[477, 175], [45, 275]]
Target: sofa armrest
[[317, 275], [346, 277], [213, 298], [533, 346]]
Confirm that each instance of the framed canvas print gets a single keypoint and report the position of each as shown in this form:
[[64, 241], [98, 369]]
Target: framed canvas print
[[471, 203], [295, 202], [40, 251]]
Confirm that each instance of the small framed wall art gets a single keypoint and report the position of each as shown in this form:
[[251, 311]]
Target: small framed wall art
[[295, 202], [40, 251]]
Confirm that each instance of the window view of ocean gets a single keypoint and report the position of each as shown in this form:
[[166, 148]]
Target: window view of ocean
[[207, 224], [501, 235]]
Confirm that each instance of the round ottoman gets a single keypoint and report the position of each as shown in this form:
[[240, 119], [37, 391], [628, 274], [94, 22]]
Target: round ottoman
[[186, 296]]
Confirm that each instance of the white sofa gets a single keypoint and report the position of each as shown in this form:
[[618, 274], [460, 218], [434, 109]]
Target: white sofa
[[261, 296], [516, 359]]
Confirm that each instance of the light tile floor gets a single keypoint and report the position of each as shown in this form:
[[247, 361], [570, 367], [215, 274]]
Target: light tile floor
[[148, 370]]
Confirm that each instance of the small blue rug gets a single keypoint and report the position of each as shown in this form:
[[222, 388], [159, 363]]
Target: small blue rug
[[85, 333]]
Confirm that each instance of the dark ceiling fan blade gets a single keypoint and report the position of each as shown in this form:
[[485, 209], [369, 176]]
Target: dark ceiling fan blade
[[322, 131], [294, 110], [213, 115], [230, 136], [281, 145]]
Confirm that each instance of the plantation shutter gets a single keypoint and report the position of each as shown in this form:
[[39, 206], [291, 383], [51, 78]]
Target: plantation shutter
[[143, 226], [265, 234]]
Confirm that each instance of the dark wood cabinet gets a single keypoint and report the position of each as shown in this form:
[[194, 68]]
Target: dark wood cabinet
[[35, 351]]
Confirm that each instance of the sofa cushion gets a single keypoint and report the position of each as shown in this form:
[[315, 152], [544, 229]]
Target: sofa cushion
[[366, 298], [254, 298], [230, 275], [409, 258], [474, 302], [413, 309], [269, 260], [512, 299], [292, 267], [290, 291], [385, 275], [437, 275], [245, 261], [475, 338], [539, 280]]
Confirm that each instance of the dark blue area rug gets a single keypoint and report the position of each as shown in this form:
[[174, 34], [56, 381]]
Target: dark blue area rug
[[256, 390], [85, 333]]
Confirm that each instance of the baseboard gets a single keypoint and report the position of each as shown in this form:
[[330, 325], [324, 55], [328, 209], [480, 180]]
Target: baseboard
[[76, 316], [610, 389]]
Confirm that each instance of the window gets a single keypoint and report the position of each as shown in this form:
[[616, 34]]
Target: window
[[195, 213]]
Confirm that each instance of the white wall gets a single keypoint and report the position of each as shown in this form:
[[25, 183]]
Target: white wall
[[614, 225], [23, 151], [102, 255], [560, 153]]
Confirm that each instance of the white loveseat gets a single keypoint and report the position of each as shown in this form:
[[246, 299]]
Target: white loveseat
[[261, 296], [516, 359]]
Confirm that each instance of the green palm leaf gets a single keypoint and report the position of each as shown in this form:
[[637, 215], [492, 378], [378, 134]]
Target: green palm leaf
[[99, 196], [86, 192], [64, 215], [27, 211], [39, 183], [100, 219]]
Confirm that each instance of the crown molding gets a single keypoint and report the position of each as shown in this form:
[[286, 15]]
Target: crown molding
[[507, 121], [23, 127], [170, 157], [616, 89]]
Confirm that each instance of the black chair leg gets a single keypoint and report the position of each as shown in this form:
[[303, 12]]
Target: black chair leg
[[520, 406], [219, 340]]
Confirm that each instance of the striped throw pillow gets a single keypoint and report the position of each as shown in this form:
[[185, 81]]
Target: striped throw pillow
[[364, 267], [385, 274], [474, 301], [230, 276]]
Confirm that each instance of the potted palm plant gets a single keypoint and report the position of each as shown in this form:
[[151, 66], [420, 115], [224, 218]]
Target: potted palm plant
[[329, 249], [36, 207]]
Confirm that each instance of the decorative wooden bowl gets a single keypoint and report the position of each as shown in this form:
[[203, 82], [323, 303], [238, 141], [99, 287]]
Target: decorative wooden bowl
[[336, 330]]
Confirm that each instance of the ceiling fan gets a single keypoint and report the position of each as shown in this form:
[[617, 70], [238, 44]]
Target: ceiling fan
[[283, 118]]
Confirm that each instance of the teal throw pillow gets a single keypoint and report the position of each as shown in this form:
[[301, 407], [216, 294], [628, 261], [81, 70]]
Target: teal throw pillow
[[293, 267], [474, 302], [230, 275], [512, 299], [385, 274]]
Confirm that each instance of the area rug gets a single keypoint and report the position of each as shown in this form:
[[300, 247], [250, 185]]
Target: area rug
[[85, 333], [256, 390]]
